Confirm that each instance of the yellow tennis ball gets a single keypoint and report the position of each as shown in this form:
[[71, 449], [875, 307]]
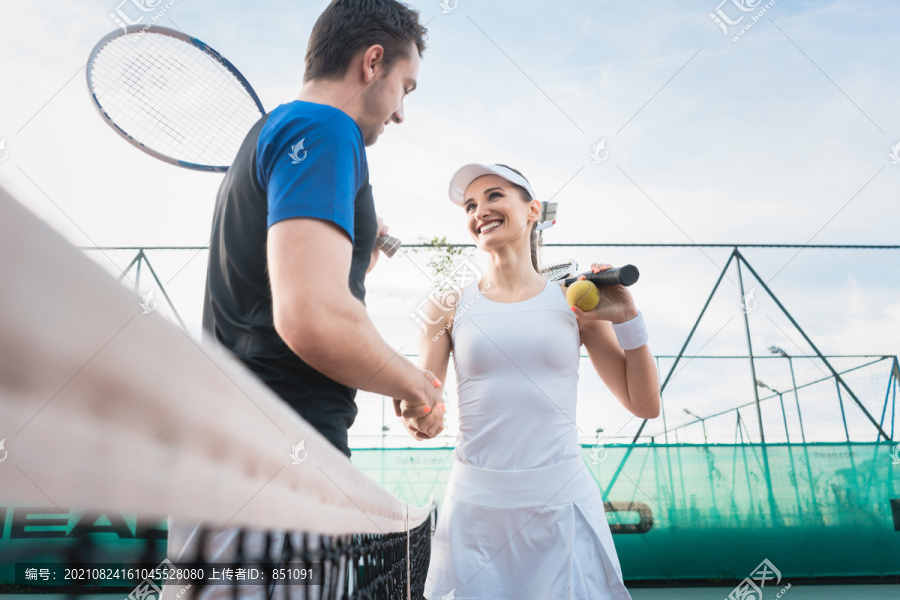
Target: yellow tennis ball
[[583, 294]]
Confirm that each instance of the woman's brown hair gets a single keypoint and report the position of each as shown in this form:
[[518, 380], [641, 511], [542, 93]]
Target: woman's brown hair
[[535, 236]]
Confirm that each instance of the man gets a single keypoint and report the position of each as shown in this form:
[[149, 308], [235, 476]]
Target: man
[[294, 234], [295, 227]]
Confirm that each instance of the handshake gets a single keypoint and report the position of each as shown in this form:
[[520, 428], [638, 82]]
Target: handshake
[[423, 417]]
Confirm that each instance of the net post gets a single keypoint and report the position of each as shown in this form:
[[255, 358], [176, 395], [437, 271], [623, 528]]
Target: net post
[[408, 564]]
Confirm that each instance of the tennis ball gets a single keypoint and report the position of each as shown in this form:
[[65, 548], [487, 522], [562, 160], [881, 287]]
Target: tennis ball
[[583, 294]]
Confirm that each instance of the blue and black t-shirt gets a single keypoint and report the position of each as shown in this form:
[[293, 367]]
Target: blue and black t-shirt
[[300, 160]]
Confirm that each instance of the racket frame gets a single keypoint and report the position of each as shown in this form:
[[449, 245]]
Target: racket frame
[[200, 45]]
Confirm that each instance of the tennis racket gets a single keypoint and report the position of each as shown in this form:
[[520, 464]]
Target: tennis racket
[[567, 273], [175, 98]]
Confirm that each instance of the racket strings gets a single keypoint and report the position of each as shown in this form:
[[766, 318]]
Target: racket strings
[[559, 271], [202, 135], [173, 98], [139, 65]]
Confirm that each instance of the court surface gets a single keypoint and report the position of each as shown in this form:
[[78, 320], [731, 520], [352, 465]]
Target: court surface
[[798, 592]]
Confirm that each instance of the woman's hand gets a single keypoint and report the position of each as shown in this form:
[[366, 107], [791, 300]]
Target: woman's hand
[[423, 418], [424, 427], [382, 230], [615, 305]]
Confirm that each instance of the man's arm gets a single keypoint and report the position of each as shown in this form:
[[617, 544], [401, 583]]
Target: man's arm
[[325, 325]]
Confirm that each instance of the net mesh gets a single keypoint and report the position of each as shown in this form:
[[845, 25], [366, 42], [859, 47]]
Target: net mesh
[[260, 564], [173, 97], [303, 566]]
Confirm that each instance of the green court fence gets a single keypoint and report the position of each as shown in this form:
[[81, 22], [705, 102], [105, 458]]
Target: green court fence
[[710, 512]]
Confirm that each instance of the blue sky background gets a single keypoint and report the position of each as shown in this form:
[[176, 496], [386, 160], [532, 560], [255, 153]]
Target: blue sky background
[[749, 142], [781, 137]]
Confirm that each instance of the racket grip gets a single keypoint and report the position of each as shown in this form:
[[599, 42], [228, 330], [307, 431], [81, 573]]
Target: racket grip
[[625, 275], [387, 244]]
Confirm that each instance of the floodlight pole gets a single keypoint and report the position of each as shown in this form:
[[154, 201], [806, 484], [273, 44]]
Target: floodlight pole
[[796, 397], [762, 435]]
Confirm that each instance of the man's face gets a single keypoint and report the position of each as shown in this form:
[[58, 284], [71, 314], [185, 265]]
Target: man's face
[[382, 98]]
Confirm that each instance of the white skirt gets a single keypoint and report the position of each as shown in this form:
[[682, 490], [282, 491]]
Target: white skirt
[[540, 533]]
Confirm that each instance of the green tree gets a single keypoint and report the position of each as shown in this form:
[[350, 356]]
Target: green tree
[[443, 257]]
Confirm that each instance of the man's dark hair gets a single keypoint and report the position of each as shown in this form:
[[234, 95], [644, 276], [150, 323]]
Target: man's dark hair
[[348, 26]]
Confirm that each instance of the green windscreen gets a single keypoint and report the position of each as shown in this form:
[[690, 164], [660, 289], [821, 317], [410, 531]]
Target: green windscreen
[[687, 511], [716, 511]]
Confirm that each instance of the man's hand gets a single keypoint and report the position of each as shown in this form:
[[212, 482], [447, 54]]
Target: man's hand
[[382, 230], [423, 418]]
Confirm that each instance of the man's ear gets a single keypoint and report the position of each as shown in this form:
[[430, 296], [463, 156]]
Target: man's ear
[[373, 59]]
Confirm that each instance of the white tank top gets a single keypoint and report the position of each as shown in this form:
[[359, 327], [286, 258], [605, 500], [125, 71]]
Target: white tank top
[[517, 379]]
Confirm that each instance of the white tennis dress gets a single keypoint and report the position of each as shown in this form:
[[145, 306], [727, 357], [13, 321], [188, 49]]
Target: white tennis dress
[[522, 516]]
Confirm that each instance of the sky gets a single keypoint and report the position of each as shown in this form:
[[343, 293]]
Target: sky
[[783, 134]]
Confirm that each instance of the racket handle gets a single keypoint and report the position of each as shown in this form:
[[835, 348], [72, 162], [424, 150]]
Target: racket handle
[[387, 244], [625, 275]]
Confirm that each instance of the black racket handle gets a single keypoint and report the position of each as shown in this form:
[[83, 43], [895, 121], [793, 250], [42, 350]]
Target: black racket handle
[[625, 275]]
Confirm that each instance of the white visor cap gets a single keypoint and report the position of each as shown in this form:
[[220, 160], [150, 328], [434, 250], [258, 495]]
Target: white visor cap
[[469, 173]]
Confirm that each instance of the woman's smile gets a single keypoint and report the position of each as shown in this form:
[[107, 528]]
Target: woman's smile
[[489, 225]]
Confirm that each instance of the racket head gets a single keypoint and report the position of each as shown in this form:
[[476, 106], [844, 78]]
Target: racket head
[[172, 96], [559, 271]]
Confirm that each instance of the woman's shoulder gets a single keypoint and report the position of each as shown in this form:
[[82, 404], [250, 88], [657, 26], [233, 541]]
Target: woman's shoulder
[[440, 308]]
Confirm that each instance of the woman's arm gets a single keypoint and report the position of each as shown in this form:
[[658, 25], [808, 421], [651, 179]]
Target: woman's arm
[[630, 375], [434, 342], [434, 355]]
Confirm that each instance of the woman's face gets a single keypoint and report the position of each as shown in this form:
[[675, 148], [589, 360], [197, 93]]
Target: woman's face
[[496, 213]]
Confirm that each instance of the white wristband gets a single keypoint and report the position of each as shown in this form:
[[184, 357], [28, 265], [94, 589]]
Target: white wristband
[[631, 334]]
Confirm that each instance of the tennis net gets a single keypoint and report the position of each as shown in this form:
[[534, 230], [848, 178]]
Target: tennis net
[[112, 409]]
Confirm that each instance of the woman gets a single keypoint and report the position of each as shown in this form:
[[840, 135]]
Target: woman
[[522, 516]]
